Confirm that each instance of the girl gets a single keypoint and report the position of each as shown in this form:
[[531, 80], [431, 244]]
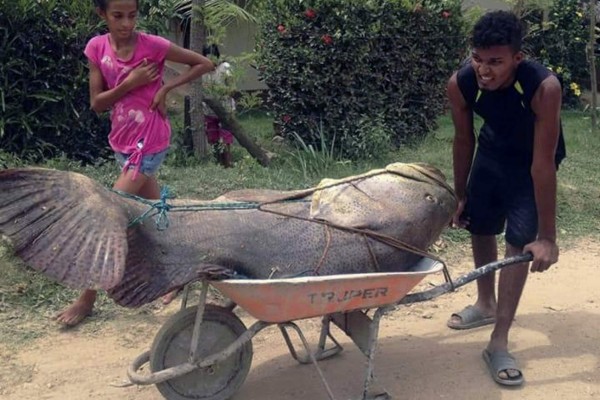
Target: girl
[[126, 70]]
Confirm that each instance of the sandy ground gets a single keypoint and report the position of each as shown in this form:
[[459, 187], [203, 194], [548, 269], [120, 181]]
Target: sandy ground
[[555, 338]]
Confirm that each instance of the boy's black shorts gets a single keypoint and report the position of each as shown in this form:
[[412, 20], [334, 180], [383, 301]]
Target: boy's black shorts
[[500, 194]]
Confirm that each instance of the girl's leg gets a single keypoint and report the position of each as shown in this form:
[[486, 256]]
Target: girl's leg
[[83, 306], [79, 309], [150, 189], [126, 184]]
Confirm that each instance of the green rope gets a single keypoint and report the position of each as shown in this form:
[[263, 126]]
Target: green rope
[[160, 208]]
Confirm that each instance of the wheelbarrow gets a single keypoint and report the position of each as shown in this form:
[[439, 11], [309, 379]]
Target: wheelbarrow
[[205, 352]]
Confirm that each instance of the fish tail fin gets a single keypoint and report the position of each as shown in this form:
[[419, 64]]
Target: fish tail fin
[[64, 225]]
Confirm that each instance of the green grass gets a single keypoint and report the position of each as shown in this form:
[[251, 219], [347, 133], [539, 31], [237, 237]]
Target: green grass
[[578, 179], [28, 299]]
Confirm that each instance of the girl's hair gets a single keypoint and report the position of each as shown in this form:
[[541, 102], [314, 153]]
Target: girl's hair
[[102, 4]]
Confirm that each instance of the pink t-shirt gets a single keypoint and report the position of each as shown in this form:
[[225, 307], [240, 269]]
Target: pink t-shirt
[[135, 129]]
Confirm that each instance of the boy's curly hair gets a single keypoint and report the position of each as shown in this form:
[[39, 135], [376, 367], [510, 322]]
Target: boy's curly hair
[[498, 28]]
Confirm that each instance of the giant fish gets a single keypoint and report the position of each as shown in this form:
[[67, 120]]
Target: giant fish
[[83, 235]]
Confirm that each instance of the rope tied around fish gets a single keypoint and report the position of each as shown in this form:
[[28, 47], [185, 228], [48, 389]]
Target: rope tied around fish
[[161, 208]]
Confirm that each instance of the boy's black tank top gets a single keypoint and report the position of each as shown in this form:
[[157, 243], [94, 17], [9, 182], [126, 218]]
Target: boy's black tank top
[[508, 129]]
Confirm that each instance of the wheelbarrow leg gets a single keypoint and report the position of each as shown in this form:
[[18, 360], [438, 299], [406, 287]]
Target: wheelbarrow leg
[[184, 297], [368, 392], [228, 305], [311, 355], [364, 332], [322, 353], [194, 345]]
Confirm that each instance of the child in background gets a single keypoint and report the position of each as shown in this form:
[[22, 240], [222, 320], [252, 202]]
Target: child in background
[[126, 71], [218, 137]]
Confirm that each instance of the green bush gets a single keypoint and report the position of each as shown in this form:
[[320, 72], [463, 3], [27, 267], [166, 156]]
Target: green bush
[[370, 140], [8, 160], [44, 100], [354, 66], [559, 42]]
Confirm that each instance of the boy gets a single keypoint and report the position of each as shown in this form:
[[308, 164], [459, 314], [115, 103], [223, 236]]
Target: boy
[[512, 179]]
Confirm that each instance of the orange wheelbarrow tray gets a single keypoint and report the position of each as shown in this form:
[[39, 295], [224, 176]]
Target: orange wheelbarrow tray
[[205, 351], [282, 300]]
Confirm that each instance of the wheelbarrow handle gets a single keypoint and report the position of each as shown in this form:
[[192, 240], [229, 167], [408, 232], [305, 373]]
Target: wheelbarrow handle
[[464, 279]]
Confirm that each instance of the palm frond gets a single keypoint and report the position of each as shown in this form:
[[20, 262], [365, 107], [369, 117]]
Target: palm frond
[[220, 12]]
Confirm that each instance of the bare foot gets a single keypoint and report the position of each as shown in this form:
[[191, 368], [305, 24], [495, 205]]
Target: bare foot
[[79, 310], [172, 295]]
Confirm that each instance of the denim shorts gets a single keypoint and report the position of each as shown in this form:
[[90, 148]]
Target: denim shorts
[[150, 162]]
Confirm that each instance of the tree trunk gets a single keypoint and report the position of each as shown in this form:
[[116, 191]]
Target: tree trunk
[[196, 114], [187, 142], [231, 123]]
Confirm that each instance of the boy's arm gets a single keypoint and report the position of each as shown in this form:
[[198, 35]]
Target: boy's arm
[[463, 145], [546, 104]]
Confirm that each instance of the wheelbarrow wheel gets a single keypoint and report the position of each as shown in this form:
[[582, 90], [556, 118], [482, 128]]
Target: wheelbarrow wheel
[[171, 347]]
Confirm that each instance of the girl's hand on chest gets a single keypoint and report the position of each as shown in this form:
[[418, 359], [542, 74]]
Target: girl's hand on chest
[[143, 74]]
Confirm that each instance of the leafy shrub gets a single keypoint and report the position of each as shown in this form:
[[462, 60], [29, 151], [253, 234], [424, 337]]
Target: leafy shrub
[[559, 42], [44, 98], [8, 160], [311, 160], [371, 139], [341, 62], [159, 16]]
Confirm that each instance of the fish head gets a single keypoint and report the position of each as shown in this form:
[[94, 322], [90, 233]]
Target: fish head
[[401, 201]]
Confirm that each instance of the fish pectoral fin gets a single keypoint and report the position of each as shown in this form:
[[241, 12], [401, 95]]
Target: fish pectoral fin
[[148, 281], [64, 225]]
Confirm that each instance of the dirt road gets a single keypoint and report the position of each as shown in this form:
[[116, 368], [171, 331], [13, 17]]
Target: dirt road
[[556, 339]]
